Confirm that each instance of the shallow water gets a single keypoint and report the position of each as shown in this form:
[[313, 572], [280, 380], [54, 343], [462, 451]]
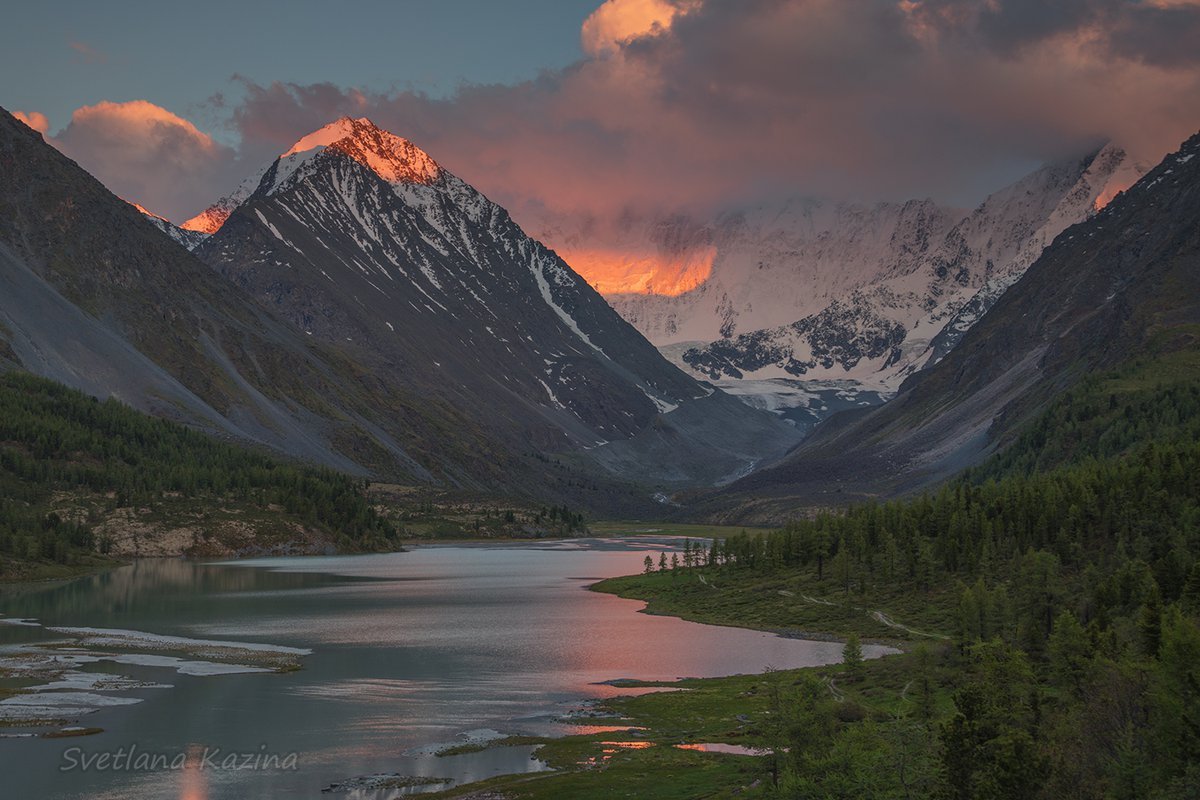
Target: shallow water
[[408, 651]]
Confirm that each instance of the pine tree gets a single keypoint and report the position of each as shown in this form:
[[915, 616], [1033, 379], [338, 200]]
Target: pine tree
[[852, 657], [1150, 623]]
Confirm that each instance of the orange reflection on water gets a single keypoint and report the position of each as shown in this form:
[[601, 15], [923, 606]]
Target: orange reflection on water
[[727, 749], [610, 749], [192, 784]]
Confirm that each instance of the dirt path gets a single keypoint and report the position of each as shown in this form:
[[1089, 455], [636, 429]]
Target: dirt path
[[878, 616], [891, 623]]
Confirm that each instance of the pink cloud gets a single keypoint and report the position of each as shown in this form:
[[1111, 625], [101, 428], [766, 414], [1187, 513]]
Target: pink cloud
[[692, 106], [34, 119], [618, 22], [703, 104], [147, 154]]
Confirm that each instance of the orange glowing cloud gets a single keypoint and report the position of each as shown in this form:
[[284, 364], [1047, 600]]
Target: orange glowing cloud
[[135, 118], [620, 21], [34, 119], [617, 272], [695, 108], [139, 149]]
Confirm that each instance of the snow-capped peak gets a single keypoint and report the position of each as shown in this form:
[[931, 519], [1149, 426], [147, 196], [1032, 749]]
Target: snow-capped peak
[[391, 157], [327, 135], [145, 211], [211, 219]]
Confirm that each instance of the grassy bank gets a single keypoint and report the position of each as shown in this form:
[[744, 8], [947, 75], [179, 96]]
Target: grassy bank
[[795, 603], [746, 710]]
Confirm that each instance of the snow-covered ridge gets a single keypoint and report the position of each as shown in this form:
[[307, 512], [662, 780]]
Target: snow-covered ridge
[[188, 238], [828, 291], [210, 220], [391, 157]]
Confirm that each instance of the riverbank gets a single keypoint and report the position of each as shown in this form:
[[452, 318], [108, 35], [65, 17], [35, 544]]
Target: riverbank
[[793, 603], [14, 574], [731, 737], [718, 737]]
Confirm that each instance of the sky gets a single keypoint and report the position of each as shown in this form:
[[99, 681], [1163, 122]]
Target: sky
[[592, 120]]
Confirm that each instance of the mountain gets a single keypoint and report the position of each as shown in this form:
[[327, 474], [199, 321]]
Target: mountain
[[1118, 287], [810, 292], [361, 240], [211, 219], [188, 238], [95, 296]]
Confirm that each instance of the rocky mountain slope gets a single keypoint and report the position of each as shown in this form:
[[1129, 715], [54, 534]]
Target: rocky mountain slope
[[188, 238], [1122, 284], [94, 295], [362, 241]]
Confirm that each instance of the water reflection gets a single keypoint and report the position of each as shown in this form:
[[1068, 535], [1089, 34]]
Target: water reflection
[[409, 649], [192, 782]]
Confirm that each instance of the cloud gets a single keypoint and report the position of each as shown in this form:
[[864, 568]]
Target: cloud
[[148, 155], [714, 103], [618, 22], [87, 54], [34, 119], [689, 107]]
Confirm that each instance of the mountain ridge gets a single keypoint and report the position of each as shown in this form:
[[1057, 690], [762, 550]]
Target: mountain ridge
[[362, 240], [1106, 290]]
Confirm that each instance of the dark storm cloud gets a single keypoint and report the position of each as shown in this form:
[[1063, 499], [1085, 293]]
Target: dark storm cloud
[[1166, 37]]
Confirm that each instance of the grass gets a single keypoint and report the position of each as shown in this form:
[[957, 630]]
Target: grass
[[478, 747], [20, 571], [776, 602], [733, 710], [634, 528], [71, 733]]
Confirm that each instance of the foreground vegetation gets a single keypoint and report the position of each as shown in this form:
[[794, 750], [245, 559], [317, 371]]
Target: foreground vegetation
[[1049, 602], [879, 705], [84, 481]]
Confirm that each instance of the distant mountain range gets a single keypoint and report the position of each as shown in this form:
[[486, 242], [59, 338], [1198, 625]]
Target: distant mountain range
[[1122, 285], [356, 305], [812, 295]]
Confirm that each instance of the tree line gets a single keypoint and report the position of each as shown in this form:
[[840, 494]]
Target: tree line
[[55, 440], [1072, 563]]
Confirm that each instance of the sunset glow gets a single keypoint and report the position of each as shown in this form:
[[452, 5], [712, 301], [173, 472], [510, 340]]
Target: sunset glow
[[33, 119], [615, 272], [209, 220]]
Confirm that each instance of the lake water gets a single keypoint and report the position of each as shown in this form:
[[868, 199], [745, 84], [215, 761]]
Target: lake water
[[409, 651]]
